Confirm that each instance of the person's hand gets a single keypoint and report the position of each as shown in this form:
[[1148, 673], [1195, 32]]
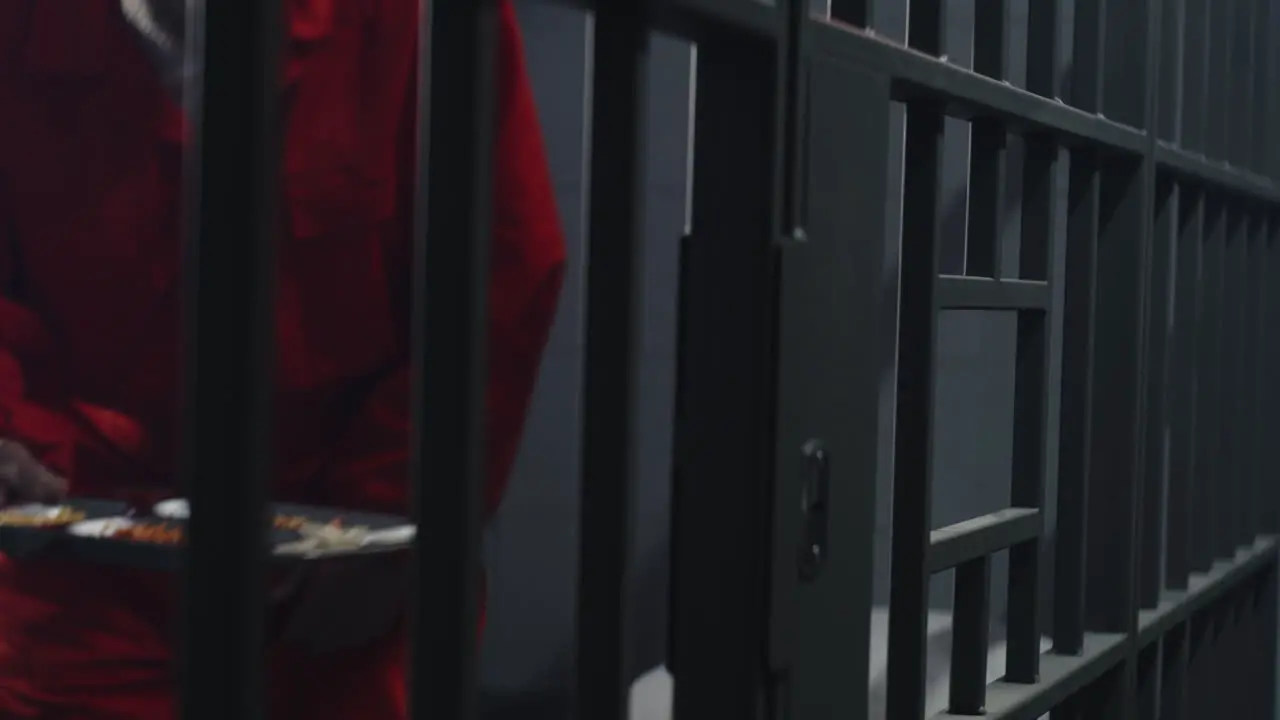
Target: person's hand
[[342, 604], [25, 479]]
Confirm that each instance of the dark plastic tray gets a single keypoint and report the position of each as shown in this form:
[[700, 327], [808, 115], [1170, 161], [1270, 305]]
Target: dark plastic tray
[[21, 541]]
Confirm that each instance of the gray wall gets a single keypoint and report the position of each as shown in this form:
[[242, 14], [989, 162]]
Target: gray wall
[[532, 544]]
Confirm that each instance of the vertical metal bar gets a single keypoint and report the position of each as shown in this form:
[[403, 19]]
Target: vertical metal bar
[[1218, 96], [971, 638], [1247, 384], [1173, 673], [1226, 488], [1194, 108], [1261, 378], [1078, 320], [450, 282], [1267, 603], [987, 153], [1260, 92], [1271, 522], [1125, 33], [1147, 701], [1182, 525], [1119, 351], [1031, 420], [1042, 49], [1240, 67], [858, 13], [1088, 56], [926, 26], [725, 423], [1169, 108], [1208, 449], [917, 378], [1116, 463], [614, 283], [1077, 401], [987, 177], [229, 323], [1154, 476]]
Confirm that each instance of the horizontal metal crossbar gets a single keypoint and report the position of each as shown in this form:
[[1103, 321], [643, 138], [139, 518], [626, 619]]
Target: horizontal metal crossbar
[[1204, 588], [955, 544], [976, 293]]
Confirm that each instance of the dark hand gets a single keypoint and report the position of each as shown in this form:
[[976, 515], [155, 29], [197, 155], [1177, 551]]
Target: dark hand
[[24, 479], [333, 605]]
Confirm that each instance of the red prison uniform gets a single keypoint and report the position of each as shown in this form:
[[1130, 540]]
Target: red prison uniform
[[91, 155]]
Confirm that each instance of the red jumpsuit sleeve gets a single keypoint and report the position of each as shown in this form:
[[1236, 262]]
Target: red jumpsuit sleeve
[[526, 264], [25, 350]]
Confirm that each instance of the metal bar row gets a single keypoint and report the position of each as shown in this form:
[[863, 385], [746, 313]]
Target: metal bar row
[[1178, 234]]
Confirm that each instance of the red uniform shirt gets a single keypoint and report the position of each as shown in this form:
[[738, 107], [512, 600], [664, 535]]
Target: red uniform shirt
[[91, 156]]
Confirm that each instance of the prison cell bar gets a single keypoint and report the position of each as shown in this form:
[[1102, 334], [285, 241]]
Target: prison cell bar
[[228, 284], [613, 278], [452, 220]]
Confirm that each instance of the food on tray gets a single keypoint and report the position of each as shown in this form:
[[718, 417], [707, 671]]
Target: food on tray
[[40, 516], [157, 533], [326, 537], [290, 522]]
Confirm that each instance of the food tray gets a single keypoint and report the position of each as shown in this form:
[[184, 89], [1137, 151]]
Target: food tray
[[112, 532], [40, 528], [301, 533], [144, 541], [372, 533]]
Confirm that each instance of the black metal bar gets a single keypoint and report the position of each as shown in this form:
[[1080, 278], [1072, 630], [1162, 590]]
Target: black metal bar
[[858, 13], [1218, 95], [723, 454], [1042, 49], [1194, 75], [916, 381], [926, 27], [1168, 123], [1147, 700], [1208, 451], [229, 281], [1230, 428], [1076, 434], [1118, 375], [1271, 522], [1260, 92], [973, 293], [1224, 488], [1261, 377], [1182, 523], [1267, 602], [957, 544], [1151, 544], [1173, 673], [1246, 384], [452, 225], [1240, 67], [984, 246], [1087, 56], [614, 266], [1032, 421], [1125, 57], [991, 39], [971, 637]]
